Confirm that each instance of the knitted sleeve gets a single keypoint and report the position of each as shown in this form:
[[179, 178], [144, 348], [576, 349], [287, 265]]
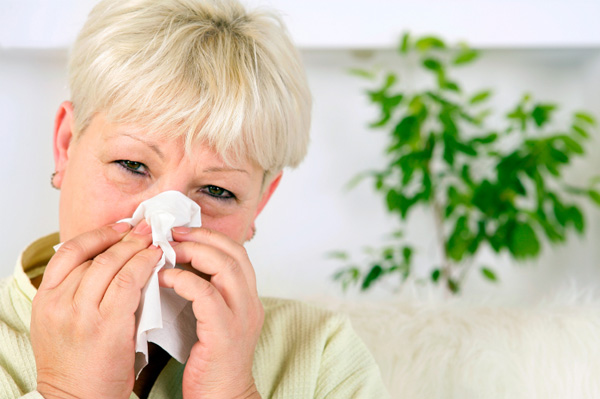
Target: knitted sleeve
[[347, 369]]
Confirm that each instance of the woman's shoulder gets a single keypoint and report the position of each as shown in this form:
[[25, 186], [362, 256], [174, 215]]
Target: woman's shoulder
[[303, 330], [277, 305], [284, 314], [306, 349], [4, 281], [17, 365]]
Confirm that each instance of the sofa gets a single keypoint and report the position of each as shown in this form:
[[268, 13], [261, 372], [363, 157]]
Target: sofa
[[450, 348]]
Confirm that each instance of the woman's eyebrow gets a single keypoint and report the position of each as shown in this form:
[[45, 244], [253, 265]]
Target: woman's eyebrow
[[224, 169], [152, 146]]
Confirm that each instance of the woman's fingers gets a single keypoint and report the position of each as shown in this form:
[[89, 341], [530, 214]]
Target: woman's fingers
[[106, 266], [226, 273], [123, 295], [220, 241], [79, 250], [228, 312], [207, 302], [83, 318]]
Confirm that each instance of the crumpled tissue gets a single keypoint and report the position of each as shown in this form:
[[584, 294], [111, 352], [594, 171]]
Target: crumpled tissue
[[163, 317]]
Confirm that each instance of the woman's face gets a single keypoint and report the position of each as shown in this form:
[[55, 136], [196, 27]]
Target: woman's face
[[105, 174]]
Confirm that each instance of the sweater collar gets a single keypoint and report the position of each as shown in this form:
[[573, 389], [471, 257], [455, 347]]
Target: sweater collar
[[32, 263]]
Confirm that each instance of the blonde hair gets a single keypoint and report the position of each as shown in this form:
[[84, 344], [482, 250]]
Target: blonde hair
[[206, 70]]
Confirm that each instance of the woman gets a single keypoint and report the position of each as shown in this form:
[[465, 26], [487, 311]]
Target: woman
[[206, 99]]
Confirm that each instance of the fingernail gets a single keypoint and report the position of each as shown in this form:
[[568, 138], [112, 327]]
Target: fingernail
[[142, 228], [121, 227], [181, 230]]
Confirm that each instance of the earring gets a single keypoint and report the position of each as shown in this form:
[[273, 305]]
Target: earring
[[52, 181], [253, 232]]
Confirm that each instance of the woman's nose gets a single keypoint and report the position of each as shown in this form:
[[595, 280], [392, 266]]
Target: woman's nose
[[161, 187]]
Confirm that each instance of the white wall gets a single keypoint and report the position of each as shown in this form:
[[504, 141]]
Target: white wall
[[354, 23], [312, 213]]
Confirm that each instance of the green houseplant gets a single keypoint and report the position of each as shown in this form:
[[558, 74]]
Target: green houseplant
[[499, 186]]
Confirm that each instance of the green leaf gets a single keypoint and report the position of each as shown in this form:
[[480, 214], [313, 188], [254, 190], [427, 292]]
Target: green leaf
[[341, 255], [387, 103], [379, 182], [465, 174], [481, 116], [576, 217], [585, 117], [432, 64], [454, 286], [489, 274], [460, 239], [363, 73], [595, 196], [490, 138], [571, 144], [519, 115], [560, 212], [435, 275], [347, 276], [541, 113], [429, 42], [393, 199], [558, 156], [452, 86], [388, 253], [356, 180], [480, 97], [390, 79], [382, 121], [551, 232], [450, 128], [441, 77], [580, 131], [374, 274], [523, 241], [405, 43], [466, 56], [466, 149], [407, 254], [449, 149], [408, 130]]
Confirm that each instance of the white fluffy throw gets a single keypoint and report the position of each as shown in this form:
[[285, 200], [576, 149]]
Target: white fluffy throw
[[429, 349]]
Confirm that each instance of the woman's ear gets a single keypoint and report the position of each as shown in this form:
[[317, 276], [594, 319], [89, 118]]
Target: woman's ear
[[266, 195], [63, 134], [268, 192]]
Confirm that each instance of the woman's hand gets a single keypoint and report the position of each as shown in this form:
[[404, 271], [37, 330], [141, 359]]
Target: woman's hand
[[83, 319], [228, 311]]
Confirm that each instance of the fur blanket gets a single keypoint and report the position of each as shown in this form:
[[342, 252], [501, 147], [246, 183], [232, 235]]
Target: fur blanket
[[429, 349]]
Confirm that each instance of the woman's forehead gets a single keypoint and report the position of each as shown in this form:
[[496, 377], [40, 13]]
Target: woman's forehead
[[160, 140]]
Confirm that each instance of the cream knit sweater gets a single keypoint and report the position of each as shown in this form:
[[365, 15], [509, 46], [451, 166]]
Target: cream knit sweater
[[303, 351]]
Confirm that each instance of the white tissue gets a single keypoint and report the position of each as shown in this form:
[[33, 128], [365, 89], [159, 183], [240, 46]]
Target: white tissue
[[163, 317]]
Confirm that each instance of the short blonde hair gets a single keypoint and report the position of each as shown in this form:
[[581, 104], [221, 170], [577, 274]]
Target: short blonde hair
[[207, 70]]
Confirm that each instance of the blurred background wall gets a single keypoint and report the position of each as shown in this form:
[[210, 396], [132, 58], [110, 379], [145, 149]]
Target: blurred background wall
[[550, 48]]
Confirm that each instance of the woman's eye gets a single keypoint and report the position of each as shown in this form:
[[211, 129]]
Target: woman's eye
[[218, 192], [134, 167]]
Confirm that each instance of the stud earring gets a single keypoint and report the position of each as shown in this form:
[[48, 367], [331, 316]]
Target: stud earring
[[253, 232], [52, 181]]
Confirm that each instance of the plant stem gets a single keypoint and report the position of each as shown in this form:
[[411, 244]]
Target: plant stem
[[446, 271]]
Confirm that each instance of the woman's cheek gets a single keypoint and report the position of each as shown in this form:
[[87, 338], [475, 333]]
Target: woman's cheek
[[124, 182], [233, 226]]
